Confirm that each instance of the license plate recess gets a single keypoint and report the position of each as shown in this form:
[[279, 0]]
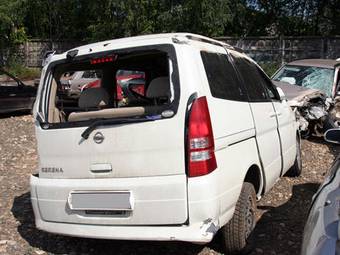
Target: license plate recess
[[101, 200]]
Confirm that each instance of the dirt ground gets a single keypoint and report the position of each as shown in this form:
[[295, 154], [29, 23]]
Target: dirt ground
[[282, 212]]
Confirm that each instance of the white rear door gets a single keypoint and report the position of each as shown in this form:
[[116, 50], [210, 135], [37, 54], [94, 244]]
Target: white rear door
[[140, 160]]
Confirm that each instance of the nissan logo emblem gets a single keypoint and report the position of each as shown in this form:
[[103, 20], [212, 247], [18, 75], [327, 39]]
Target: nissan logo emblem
[[98, 137]]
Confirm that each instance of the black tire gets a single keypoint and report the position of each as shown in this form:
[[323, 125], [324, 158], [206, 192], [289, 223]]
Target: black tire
[[237, 235], [296, 169]]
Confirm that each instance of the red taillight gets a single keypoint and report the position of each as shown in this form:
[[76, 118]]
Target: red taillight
[[200, 144]]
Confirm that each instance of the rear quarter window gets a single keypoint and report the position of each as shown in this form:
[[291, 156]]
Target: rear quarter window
[[222, 77]]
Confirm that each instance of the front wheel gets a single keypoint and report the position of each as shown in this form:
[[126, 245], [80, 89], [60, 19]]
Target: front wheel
[[237, 238]]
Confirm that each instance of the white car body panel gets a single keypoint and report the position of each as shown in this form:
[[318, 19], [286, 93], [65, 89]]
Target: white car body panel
[[322, 229], [267, 137], [287, 130]]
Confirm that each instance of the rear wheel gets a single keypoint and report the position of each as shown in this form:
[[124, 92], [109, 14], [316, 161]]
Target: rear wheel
[[296, 169], [237, 238]]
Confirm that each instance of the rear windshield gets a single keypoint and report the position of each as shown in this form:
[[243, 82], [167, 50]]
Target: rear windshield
[[307, 76], [132, 84]]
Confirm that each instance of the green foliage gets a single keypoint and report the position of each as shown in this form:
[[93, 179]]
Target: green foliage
[[296, 17], [88, 20], [270, 68], [12, 30], [22, 72], [129, 17]]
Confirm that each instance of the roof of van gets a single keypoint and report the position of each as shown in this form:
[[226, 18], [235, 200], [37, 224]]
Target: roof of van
[[326, 63], [142, 40], [152, 37]]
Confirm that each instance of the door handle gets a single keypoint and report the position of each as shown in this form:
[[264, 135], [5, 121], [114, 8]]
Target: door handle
[[272, 114]]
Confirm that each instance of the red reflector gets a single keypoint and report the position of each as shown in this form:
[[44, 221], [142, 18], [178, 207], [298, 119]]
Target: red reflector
[[201, 147]]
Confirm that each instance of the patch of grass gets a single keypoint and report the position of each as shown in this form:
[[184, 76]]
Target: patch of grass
[[22, 72], [270, 68]]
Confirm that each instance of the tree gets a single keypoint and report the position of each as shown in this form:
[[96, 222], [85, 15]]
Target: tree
[[12, 30]]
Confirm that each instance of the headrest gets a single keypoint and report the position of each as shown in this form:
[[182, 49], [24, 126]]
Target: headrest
[[93, 97], [159, 87]]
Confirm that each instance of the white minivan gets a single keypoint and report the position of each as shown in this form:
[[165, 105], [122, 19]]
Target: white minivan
[[179, 147]]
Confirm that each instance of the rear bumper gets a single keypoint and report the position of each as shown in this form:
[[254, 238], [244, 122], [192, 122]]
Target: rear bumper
[[57, 219], [196, 233]]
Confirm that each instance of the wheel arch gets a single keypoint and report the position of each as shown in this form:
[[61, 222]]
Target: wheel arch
[[254, 176]]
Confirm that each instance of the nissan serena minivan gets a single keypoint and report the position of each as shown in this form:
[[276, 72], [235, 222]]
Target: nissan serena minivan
[[190, 155]]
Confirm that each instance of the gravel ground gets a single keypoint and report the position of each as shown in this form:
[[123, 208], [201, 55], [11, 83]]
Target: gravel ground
[[282, 212]]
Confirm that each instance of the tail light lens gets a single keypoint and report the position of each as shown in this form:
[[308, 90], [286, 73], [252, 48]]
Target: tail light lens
[[200, 144]]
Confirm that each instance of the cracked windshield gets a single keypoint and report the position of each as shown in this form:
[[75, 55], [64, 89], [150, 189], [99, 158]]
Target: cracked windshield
[[307, 76]]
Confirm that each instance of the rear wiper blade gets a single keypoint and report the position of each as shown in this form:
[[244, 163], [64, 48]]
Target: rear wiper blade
[[102, 122]]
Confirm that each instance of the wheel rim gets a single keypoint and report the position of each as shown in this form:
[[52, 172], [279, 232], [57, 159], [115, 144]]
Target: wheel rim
[[250, 217]]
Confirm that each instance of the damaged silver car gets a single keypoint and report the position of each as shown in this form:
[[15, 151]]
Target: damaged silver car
[[312, 89]]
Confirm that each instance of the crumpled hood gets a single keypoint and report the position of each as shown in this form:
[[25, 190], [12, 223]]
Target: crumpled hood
[[297, 95]]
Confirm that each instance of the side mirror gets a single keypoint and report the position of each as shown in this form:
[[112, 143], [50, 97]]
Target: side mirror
[[333, 135], [281, 94]]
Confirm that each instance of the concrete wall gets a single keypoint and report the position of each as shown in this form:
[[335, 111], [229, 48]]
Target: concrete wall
[[32, 51], [288, 48], [262, 49]]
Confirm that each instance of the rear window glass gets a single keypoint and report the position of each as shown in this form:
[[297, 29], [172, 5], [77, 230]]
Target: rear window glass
[[124, 85], [222, 78]]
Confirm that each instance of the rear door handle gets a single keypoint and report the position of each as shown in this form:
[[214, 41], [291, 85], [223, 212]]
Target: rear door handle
[[272, 114]]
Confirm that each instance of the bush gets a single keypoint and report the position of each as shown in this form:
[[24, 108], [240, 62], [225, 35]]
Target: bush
[[22, 72], [270, 68]]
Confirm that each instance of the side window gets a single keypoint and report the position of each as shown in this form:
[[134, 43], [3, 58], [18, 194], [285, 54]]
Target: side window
[[268, 85], [222, 77], [252, 79]]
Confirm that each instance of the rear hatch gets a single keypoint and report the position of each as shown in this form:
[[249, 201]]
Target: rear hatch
[[131, 145]]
